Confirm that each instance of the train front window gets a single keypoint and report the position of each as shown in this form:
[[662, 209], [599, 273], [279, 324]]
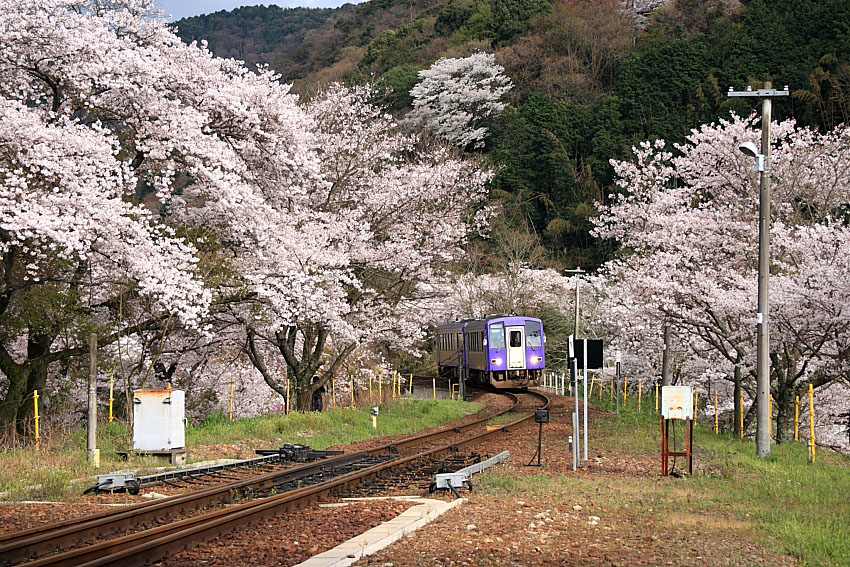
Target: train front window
[[516, 339], [497, 335], [533, 334]]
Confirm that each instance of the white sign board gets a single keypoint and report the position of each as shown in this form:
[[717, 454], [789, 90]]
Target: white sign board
[[677, 402]]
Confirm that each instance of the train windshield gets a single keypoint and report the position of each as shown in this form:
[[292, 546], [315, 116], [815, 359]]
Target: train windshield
[[533, 334], [497, 335]]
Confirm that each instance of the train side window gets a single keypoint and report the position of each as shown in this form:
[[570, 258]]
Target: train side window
[[533, 334], [516, 338], [497, 335]]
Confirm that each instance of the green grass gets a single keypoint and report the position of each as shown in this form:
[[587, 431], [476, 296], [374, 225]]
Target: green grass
[[48, 473], [332, 427], [802, 507]]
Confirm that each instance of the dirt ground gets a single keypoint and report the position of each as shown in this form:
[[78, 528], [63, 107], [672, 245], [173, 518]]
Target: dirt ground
[[605, 514], [602, 521]]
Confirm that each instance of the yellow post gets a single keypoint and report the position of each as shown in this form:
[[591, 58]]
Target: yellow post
[[393, 385], [696, 402], [640, 392], [352, 390], [111, 399], [796, 418], [812, 419], [370, 390], [286, 401], [37, 437], [434, 386], [741, 404], [410, 385], [716, 415], [231, 398], [380, 389], [611, 392], [592, 380], [625, 391], [656, 398], [333, 392]]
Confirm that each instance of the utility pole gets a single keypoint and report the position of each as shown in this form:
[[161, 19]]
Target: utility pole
[[665, 357], [763, 338], [578, 271], [91, 440]]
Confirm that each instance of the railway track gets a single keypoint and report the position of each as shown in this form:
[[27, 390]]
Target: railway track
[[81, 541]]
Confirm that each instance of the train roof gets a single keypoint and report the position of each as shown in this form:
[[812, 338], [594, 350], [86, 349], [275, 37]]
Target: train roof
[[507, 317]]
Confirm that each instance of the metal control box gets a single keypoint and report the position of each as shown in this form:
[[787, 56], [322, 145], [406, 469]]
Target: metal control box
[[677, 402], [159, 420]]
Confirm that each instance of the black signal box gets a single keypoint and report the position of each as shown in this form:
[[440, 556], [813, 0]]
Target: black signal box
[[594, 353], [541, 415]]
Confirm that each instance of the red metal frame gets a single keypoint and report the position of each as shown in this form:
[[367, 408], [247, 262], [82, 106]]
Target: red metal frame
[[665, 448]]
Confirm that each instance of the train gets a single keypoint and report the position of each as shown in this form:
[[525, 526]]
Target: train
[[501, 350]]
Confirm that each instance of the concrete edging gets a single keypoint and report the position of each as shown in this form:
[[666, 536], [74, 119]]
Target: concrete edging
[[379, 537]]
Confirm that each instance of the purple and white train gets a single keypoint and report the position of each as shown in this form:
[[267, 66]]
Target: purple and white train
[[504, 351]]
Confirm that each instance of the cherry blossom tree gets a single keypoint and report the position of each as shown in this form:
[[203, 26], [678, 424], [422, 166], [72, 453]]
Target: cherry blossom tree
[[386, 215], [104, 107], [456, 98], [687, 220]]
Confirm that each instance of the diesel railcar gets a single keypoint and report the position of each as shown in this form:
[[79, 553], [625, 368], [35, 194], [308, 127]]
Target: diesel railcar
[[504, 351]]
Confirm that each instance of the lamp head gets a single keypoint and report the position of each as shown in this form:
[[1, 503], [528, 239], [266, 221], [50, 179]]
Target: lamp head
[[749, 148]]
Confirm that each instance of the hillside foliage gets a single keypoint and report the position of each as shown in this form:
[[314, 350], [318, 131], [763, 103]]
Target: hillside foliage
[[588, 83]]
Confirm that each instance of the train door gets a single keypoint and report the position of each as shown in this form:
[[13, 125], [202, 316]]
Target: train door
[[516, 347]]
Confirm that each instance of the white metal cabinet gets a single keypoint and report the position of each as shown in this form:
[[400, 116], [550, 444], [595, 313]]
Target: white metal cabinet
[[159, 420]]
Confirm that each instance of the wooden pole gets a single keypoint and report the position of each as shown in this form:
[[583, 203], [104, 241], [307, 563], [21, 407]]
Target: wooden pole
[[111, 399], [716, 415], [231, 398], [370, 390], [812, 419], [656, 398], [333, 392], [381, 389], [35, 403], [741, 417], [352, 390], [696, 402], [796, 418]]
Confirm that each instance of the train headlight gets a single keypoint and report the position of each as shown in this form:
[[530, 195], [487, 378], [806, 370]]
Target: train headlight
[[496, 361], [537, 359]]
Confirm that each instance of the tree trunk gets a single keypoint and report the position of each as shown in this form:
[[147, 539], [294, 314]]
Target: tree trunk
[[736, 418], [18, 375], [37, 347]]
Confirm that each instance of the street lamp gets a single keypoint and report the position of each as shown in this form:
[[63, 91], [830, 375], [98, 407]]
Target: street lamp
[[578, 271], [763, 338]]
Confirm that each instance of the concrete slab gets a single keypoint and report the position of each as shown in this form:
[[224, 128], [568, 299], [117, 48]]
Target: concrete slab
[[379, 537]]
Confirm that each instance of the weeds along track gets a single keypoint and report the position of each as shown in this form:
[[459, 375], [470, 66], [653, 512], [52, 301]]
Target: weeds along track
[[210, 512]]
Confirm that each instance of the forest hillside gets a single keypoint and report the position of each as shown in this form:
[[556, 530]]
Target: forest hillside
[[591, 79]]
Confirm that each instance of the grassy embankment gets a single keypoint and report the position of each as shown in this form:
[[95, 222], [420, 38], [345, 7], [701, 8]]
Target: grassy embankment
[[783, 502], [62, 457]]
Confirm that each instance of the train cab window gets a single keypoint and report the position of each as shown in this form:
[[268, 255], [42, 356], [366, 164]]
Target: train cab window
[[533, 334], [497, 335], [516, 338]]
